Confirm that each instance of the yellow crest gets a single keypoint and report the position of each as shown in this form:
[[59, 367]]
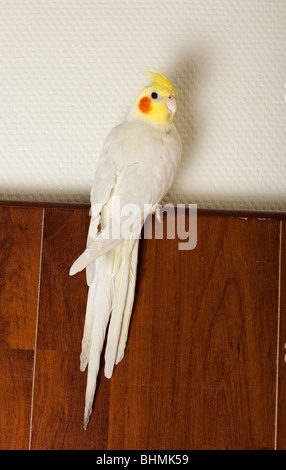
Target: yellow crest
[[161, 82]]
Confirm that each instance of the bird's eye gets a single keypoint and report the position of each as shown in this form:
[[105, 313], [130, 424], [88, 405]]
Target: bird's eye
[[154, 95]]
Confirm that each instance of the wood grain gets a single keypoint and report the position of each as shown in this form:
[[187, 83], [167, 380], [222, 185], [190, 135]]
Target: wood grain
[[201, 358], [59, 385], [200, 365], [59, 405], [16, 379], [20, 231], [62, 298], [20, 234], [199, 371]]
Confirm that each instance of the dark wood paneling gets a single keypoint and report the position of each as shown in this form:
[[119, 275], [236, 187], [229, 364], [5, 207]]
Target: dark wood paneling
[[62, 298], [16, 379], [59, 385], [20, 234], [59, 405], [200, 365], [199, 371], [281, 410]]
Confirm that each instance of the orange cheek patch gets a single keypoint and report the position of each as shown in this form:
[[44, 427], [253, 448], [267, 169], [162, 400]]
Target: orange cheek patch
[[145, 105]]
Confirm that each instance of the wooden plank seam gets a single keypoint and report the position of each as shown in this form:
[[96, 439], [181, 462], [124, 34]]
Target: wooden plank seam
[[36, 327]]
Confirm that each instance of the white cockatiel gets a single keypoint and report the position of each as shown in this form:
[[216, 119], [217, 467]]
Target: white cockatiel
[[135, 170]]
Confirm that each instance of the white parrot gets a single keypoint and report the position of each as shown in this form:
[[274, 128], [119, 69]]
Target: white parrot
[[136, 167]]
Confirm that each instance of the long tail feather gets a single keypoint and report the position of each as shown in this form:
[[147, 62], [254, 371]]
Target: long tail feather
[[86, 340], [129, 303], [111, 276], [122, 252], [101, 311]]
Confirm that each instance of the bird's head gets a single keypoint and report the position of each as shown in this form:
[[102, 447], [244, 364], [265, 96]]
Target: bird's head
[[156, 103]]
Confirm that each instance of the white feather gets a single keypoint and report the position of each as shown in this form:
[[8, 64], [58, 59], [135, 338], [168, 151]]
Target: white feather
[[129, 303], [121, 280], [86, 340], [102, 300]]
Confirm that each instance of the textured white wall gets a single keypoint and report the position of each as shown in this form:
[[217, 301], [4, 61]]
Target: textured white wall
[[69, 71]]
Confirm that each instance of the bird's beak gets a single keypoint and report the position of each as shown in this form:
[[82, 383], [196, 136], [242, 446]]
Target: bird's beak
[[171, 104]]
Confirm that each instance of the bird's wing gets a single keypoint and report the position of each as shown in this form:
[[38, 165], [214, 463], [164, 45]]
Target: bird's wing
[[103, 183]]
